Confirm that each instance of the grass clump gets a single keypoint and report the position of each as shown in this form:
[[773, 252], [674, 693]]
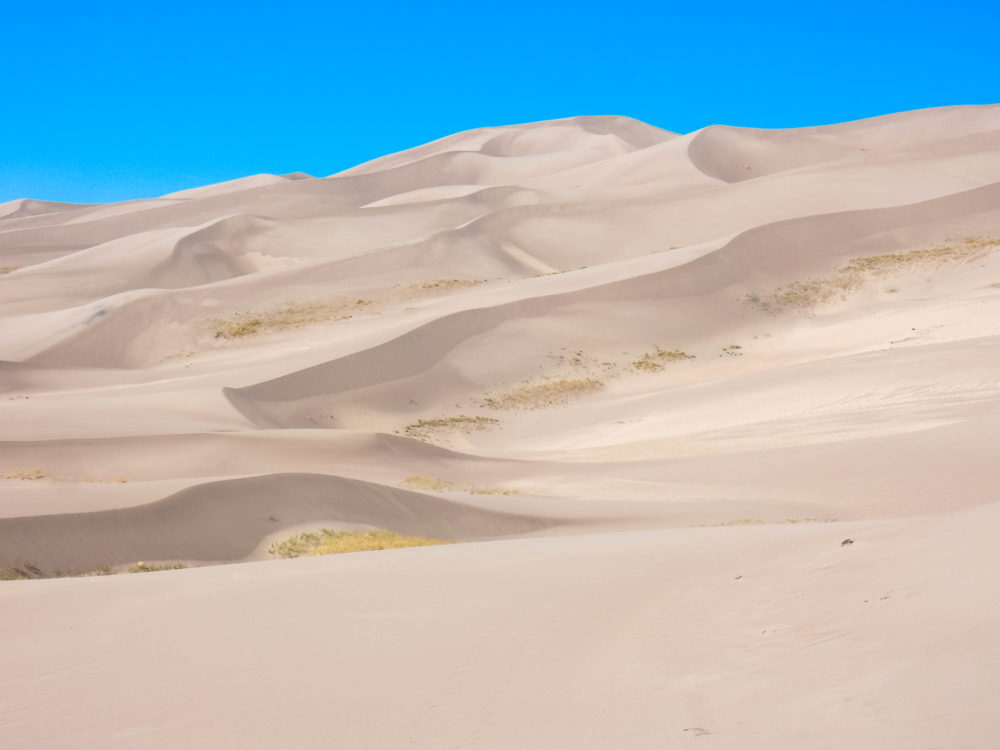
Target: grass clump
[[29, 475], [424, 429], [474, 490], [433, 484], [141, 567], [438, 286], [289, 315], [332, 542], [7, 269], [29, 571], [858, 272], [654, 361], [22, 572], [556, 392]]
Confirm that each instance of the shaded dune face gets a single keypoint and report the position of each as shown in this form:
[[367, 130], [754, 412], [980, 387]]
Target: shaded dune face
[[227, 520]]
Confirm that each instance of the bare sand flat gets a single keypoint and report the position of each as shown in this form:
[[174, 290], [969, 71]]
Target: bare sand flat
[[711, 419]]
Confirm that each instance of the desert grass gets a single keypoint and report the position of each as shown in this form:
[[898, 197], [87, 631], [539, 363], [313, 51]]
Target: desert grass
[[290, 315], [7, 269], [655, 360], [142, 567], [760, 522], [437, 286], [432, 484], [29, 571], [25, 475], [426, 429], [552, 392], [859, 272], [333, 542], [475, 490]]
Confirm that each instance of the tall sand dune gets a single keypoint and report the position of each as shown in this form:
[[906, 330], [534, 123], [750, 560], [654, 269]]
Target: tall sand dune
[[709, 421]]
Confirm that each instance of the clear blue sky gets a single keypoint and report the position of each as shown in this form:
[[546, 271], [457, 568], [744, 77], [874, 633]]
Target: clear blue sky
[[111, 100]]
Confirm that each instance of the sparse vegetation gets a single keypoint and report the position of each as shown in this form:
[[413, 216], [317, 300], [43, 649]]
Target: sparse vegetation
[[289, 315], [474, 490], [7, 269], [858, 272], [553, 392], [758, 521], [333, 542], [29, 571], [438, 286], [425, 429], [432, 484], [654, 361], [29, 475], [142, 567]]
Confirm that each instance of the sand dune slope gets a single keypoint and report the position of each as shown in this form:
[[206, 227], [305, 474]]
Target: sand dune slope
[[650, 383]]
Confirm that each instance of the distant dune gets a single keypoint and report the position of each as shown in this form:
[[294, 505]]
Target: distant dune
[[712, 420]]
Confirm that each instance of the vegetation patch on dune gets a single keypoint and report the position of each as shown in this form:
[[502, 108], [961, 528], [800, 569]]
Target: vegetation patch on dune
[[759, 522], [553, 392], [432, 484], [7, 269], [29, 571], [333, 542], [425, 429], [142, 567], [654, 361], [438, 286], [474, 490], [25, 475], [289, 315], [856, 274]]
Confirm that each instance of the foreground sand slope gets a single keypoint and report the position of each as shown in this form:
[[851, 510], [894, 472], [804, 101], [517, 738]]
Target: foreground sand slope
[[745, 637], [651, 381]]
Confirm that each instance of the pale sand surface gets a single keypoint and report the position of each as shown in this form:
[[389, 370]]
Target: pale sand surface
[[699, 363]]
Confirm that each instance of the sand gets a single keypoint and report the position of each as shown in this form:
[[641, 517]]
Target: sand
[[648, 383]]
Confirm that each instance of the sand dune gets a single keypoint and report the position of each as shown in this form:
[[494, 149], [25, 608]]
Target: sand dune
[[650, 381]]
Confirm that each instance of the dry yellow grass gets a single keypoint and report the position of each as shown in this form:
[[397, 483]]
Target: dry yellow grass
[[474, 490], [289, 315], [141, 567], [425, 429], [332, 542], [654, 361], [29, 475], [758, 521], [438, 286], [420, 482], [7, 269], [856, 274], [554, 392]]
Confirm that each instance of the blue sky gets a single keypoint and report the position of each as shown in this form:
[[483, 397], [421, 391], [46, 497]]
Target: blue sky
[[114, 100]]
